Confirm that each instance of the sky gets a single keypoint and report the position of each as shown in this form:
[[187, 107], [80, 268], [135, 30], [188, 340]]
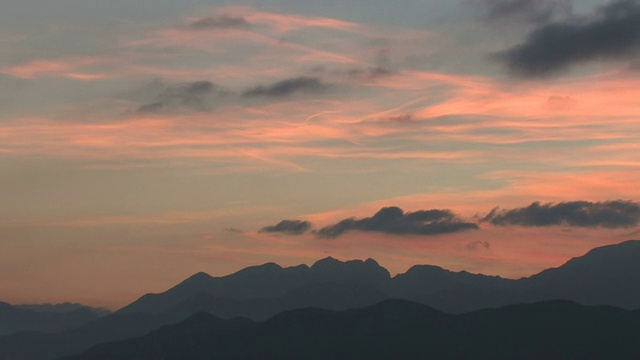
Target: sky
[[142, 142]]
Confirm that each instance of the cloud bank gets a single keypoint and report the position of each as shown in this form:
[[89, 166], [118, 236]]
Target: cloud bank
[[607, 214], [393, 220]]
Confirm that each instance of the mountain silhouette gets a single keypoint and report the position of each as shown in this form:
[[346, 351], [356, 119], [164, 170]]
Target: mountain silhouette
[[266, 281], [608, 276], [395, 329]]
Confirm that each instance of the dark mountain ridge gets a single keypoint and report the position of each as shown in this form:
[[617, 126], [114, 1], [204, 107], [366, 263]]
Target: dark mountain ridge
[[395, 329]]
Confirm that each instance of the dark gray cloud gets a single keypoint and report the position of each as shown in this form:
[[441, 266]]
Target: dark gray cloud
[[608, 214], [535, 11], [393, 220], [220, 22], [613, 32], [191, 96], [288, 87], [289, 227]]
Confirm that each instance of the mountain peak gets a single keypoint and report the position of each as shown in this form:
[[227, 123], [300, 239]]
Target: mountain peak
[[196, 280], [371, 261], [352, 271], [326, 262], [200, 275], [433, 269]]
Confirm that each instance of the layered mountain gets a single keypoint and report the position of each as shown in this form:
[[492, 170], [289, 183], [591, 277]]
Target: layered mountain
[[35, 345], [395, 329], [282, 289], [15, 319], [605, 276]]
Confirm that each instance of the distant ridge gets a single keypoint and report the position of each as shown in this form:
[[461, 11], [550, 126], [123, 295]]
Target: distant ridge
[[63, 308], [19, 318]]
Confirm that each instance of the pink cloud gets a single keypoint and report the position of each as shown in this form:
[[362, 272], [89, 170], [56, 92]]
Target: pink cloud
[[65, 67]]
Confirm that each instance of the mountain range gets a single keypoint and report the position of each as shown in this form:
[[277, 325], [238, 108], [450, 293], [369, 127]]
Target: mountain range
[[604, 276]]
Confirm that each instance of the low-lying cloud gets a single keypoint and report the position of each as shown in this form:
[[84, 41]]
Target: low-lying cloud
[[613, 32], [607, 214], [393, 220], [289, 227]]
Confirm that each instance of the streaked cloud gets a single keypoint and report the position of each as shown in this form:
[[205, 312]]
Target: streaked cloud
[[79, 68], [288, 87]]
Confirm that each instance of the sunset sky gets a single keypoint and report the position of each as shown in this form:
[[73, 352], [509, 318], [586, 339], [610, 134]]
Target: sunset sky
[[144, 141]]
